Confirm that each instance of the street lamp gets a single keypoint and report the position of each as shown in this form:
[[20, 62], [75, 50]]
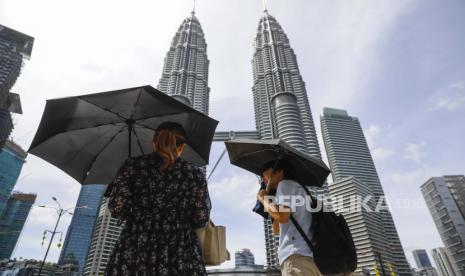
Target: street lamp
[[60, 211]]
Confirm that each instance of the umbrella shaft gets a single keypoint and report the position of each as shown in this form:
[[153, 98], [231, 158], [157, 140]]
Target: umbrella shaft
[[130, 140]]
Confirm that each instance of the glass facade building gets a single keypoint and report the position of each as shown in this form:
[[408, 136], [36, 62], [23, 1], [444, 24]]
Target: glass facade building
[[12, 220], [12, 158], [79, 234], [244, 258], [421, 258]]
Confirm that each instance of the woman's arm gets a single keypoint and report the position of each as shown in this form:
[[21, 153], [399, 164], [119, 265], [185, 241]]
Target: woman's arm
[[120, 199], [202, 203]]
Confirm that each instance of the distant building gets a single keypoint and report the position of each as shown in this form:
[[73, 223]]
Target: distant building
[[79, 234], [244, 258], [104, 237], [12, 220], [246, 271], [421, 258], [426, 271], [12, 158], [445, 198], [355, 175], [442, 260], [32, 267], [14, 47]]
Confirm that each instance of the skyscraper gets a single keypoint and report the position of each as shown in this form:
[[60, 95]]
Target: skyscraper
[[421, 258], [79, 234], [349, 156], [185, 78], [106, 233], [442, 260], [14, 47], [185, 70], [12, 221], [366, 227], [280, 99], [244, 258], [445, 198], [12, 158]]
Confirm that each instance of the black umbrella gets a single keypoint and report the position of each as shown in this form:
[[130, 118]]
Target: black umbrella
[[252, 155], [90, 136]]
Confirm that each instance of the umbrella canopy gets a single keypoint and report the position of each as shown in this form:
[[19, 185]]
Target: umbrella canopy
[[90, 136], [252, 155]]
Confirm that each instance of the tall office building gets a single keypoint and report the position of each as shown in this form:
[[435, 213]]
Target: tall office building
[[244, 258], [185, 78], [366, 227], [280, 99], [79, 234], [421, 258], [445, 198], [442, 260], [349, 156], [12, 221], [14, 47], [12, 158], [185, 70], [106, 233]]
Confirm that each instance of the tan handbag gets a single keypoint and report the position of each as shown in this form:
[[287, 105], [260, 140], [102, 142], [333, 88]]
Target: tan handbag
[[213, 244]]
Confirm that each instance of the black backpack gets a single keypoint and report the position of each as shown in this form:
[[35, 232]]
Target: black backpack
[[332, 245]]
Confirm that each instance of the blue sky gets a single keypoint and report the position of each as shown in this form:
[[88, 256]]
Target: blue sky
[[396, 65]]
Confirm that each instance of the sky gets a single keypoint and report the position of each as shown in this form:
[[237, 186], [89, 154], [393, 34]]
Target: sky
[[396, 65]]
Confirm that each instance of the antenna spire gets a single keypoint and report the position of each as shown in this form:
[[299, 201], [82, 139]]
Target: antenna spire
[[264, 5], [193, 9]]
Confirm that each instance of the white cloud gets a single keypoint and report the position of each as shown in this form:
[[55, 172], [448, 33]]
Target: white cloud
[[416, 151], [238, 191], [372, 135], [381, 153], [415, 177], [450, 97]]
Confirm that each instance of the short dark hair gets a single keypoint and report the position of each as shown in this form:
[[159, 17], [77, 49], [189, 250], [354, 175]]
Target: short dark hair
[[281, 165]]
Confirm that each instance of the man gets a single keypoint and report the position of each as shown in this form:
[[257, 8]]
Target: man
[[294, 254]]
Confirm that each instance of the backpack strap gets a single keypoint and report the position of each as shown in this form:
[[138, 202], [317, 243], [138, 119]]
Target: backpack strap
[[297, 225], [302, 233]]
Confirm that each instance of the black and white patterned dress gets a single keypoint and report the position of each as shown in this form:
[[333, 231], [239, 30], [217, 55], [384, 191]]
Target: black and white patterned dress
[[161, 211]]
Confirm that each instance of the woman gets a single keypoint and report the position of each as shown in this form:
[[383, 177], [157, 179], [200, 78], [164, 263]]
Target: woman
[[162, 199]]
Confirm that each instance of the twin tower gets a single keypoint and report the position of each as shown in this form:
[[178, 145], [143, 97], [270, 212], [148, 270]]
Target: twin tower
[[280, 100]]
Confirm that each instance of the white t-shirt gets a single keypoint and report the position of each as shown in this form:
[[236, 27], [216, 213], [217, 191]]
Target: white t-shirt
[[290, 240]]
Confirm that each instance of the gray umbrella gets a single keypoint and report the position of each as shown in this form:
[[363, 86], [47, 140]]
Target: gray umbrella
[[252, 155], [89, 137]]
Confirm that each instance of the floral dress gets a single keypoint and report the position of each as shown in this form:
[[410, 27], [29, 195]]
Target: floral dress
[[161, 211]]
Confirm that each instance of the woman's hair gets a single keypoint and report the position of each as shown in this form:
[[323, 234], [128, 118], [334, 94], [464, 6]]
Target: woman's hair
[[168, 137]]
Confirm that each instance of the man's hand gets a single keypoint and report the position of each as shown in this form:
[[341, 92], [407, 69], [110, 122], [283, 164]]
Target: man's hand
[[280, 214], [261, 196], [275, 227]]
